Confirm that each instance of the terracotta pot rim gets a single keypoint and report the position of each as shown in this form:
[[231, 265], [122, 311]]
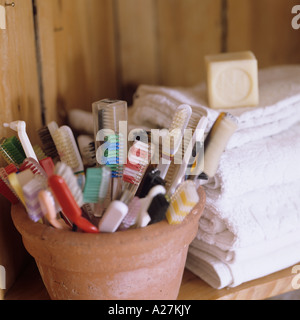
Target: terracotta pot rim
[[28, 228]]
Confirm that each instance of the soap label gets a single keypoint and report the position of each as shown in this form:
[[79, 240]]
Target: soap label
[[233, 85]]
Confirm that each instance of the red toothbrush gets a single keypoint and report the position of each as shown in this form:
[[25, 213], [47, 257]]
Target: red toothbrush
[[68, 204]]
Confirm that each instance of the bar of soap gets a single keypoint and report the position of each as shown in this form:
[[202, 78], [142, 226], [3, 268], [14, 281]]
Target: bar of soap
[[232, 80]]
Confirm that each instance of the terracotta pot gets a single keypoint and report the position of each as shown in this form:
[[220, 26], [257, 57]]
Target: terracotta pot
[[136, 264]]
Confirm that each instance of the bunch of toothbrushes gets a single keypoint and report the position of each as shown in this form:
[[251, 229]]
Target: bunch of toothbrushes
[[109, 182]]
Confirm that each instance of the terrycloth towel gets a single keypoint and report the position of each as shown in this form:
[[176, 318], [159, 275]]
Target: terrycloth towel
[[266, 162], [220, 275], [250, 226], [279, 106], [251, 218], [250, 252]]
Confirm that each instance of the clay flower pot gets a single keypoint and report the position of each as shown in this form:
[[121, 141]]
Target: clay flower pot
[[136, 264]]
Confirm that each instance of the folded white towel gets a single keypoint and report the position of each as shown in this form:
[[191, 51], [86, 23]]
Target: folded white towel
[[210, 269], [249, 252], [270, 161], [219, 274], [251, 218], [279, 106]]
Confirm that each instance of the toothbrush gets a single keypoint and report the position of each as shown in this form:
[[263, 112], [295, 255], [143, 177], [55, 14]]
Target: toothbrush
[[182, 202], [92, 185], [68, 151], [40, 154], [87, 150], [48, 165], [17, 181], [113, 217], [130, 219], [46, 136], [106, 176], [197, 137], [158, 208], [69, 206], [63, 170], [5, 188], [34, 166], [112, 158], [47, 204], [108, 115], [20, 128], [176, 130], [152, 179], [88, 213], [31, 191], [214, 145], [12, 151], [143, 216], [216, 141], [136, 214], [138, 160], [96, 186], [132, 176]]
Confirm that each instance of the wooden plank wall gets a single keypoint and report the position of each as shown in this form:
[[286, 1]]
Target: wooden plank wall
[[264, 26], [179, 33], [77, 45], [19, 100], [93, 49]]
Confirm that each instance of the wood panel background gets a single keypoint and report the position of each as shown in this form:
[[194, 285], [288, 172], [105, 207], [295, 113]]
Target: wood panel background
[[19, 100], [77, 46], [91, 49], [57, 55]]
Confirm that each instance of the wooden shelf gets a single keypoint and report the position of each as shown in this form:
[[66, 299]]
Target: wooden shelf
[[275, 284], [30, 286]]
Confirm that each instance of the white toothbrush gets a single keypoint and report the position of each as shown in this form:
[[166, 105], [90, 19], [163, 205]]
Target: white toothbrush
[[20, 128], [176, 130], [197, 137]]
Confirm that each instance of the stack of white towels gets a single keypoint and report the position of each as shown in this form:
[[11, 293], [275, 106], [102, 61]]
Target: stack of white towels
[[251, 224]]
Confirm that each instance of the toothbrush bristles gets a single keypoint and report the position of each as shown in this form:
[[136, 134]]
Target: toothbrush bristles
[[48, 143]]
